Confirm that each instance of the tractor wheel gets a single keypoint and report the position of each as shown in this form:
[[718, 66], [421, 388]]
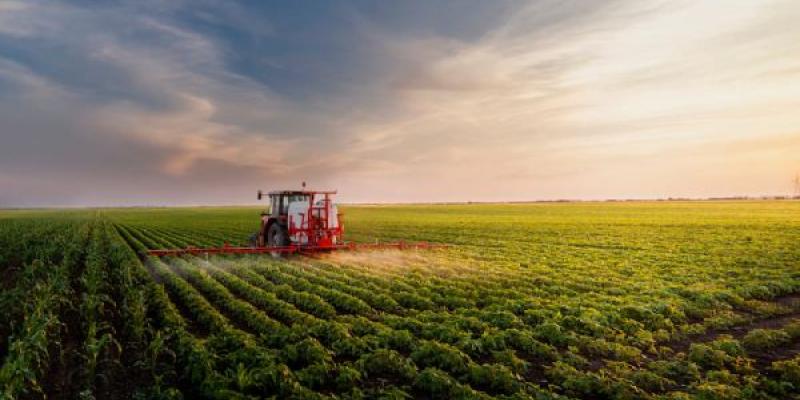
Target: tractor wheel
[[277, 237]]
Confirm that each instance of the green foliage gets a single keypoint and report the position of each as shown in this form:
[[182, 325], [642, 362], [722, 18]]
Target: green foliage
[[729, 345], [306, 352], [553, 334], [707, 356], [763, 339], [792, 329], [442, 356], [494, 378], [347, 378], [676, 370], [387, 364], [435, 383], [575, 382], [716, 391], [589, 300], [789, 371]]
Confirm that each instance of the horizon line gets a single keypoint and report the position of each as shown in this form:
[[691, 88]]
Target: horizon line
[[442, 203]]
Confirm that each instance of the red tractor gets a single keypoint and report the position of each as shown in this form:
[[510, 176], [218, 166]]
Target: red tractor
[[304, 218]]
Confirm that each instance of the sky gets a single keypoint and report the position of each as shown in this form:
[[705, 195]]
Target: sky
[[169, 102]]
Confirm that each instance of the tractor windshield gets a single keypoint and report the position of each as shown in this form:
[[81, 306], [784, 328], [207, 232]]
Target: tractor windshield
[[298, 197], [279, 202]]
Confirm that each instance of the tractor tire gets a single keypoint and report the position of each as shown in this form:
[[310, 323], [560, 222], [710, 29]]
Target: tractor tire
[[277, 236]]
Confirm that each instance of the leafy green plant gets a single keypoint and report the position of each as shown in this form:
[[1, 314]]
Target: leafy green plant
[[763, 339], [387, 364], [442, 356], [788, 370], [707, 357]]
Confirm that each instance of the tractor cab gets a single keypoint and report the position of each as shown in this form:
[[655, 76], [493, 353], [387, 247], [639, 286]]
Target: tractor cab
[[279, 202]]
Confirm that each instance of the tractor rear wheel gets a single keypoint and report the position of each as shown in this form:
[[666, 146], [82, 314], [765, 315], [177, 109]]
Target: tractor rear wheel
[[277, 237]]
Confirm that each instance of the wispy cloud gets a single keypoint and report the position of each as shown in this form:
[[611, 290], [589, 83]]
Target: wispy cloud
[[530, 112], [165, 102]]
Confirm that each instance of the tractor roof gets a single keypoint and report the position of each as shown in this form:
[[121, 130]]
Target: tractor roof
[[299, 192]]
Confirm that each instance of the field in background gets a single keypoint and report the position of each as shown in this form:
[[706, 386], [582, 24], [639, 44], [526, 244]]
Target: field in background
[[587, 300]]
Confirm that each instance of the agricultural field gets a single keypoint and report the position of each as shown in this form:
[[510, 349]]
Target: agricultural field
[[629, 300]]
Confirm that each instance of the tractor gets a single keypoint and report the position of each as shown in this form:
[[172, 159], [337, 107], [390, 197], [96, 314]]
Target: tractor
[[304, 218]]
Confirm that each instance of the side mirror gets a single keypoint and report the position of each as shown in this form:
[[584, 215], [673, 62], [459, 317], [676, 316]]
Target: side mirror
[[260, 195]]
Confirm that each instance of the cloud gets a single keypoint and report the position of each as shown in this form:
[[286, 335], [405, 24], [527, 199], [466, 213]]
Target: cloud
[[211, 100], [177, 96], [633, 82]]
